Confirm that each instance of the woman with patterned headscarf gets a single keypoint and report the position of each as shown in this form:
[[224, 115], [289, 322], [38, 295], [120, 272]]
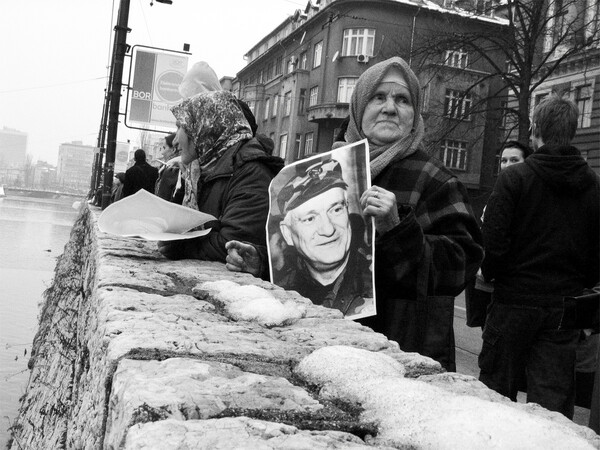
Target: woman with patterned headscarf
[[428, 242], [231, 177]]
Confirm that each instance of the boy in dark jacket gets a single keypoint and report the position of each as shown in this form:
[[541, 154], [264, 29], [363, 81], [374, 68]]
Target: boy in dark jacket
[[541, 243]]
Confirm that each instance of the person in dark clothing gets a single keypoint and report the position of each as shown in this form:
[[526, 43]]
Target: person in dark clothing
[[139, 176], [541, 240], [168, 174], [233, 176]]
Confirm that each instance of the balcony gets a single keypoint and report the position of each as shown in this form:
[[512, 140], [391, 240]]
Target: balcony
[[327, 111]]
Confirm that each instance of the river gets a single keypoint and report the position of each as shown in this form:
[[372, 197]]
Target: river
[[33, 233]]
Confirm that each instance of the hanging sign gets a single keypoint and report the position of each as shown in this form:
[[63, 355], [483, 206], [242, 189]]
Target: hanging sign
[[154, 79]]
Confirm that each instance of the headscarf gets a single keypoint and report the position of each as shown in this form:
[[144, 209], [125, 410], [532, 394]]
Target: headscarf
[[382, 156], [214, 122], [200, 78]]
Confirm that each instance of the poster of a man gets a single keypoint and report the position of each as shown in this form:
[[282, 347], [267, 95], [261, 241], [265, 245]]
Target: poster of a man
[[319, 243]]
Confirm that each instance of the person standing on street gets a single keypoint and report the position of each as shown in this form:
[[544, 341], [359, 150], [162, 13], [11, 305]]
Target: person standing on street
[[541, 240], [140, 176]]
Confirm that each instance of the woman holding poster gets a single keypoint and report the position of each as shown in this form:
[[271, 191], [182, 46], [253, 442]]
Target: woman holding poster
[[427, 240]]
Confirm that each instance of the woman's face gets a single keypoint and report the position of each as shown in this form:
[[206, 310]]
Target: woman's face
[[182, 141], [510, 156], [389, 114]]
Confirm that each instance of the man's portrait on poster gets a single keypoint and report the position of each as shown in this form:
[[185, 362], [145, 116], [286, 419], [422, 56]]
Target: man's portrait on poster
[[319, 243]]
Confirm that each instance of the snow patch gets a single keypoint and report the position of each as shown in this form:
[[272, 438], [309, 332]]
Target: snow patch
[[414, 414], [252, 303]]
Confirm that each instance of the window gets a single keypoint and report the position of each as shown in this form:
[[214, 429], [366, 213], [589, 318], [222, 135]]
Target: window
[[270, 71], [303, 60], [345, 88], [308, 143], [291, 64], [279, 66], [275, 104], [282, 145], [301, 101], [317, 54], [358, 41], [313, 94], [485, 7], [287, 103], [457, 58], [266, 111], [261, 77], [583, 98], [252, 105], [297, 147], [458, 105], [454, 154]]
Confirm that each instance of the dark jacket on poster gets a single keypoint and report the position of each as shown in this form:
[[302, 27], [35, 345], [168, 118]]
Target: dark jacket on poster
[[425, 261], [140, 176], [541, 227], [236, 192], [349, 291]]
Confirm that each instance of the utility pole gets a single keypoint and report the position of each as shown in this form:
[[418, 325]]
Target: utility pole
[[114, 94]]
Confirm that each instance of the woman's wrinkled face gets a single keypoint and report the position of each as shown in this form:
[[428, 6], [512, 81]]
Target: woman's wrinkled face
[[183, 142], [510, 156], [389, 114]]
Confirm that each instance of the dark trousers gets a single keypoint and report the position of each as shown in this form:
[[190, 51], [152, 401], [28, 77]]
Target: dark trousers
[[521, 339]]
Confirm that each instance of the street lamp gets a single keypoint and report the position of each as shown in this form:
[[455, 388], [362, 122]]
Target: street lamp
[[114, 96]]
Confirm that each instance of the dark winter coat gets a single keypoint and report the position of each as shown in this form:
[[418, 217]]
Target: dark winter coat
[[236, 192], [541, 227], [425, 261], [140, 176]]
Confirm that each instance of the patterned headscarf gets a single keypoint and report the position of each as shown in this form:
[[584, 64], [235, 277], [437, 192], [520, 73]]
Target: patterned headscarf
[[365, 87], [214, 123]]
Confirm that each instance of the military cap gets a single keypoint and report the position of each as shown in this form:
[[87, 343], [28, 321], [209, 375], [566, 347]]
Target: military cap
[[309, 182]]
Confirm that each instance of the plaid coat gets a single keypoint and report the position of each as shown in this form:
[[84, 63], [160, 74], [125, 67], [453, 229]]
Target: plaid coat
[[423, 263]]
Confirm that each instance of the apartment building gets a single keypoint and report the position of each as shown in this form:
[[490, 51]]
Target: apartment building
[[299, 78], [74, 166]]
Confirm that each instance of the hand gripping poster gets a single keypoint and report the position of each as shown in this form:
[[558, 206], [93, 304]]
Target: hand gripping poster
[[320, 245]]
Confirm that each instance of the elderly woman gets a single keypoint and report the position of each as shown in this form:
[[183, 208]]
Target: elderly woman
[[428, 242], [232, 177]]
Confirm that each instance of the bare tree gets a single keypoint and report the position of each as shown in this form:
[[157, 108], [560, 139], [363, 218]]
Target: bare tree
[[540, 36]]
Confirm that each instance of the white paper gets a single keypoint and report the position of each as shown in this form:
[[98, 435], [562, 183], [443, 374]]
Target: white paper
[[146, 216]]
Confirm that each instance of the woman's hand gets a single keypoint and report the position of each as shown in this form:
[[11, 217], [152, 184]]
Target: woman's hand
[[380, 204], [242, 257]]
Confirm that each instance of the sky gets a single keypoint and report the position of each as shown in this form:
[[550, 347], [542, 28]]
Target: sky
[[56, 55]]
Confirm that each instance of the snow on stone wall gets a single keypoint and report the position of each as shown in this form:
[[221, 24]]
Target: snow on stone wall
[[135, 351]]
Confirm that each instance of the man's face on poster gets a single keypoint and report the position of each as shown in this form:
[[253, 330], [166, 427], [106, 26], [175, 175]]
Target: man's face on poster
[[319, 229]]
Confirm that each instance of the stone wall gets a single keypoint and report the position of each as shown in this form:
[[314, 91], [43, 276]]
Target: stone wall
[[135, 351]]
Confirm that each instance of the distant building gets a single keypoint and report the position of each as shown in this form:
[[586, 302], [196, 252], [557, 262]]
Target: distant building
[[300, 77], [13, 156], [74, 169], [44, 175]]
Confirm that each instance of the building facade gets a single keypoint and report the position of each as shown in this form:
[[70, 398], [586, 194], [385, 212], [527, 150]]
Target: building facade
[[578, 75], [13, 156], [299, 78], [74, 168]]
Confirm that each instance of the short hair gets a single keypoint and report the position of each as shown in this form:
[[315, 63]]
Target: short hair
[[555, 120], [525, 149], [139, 155], [169, 139]]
